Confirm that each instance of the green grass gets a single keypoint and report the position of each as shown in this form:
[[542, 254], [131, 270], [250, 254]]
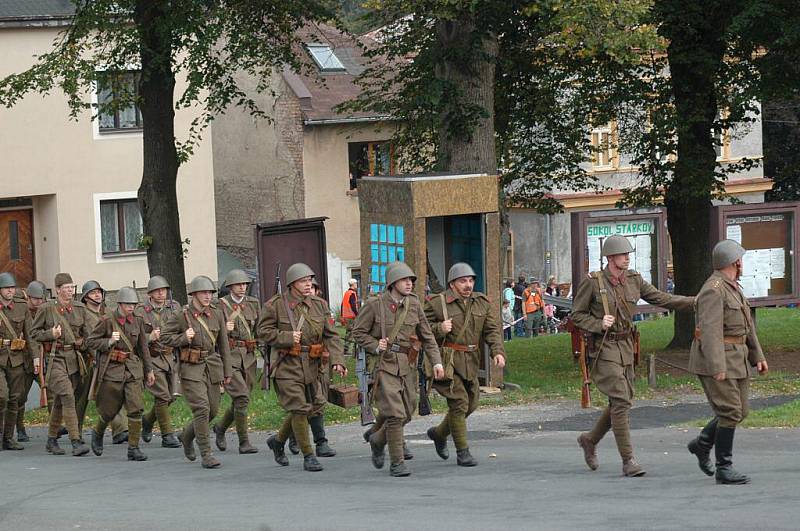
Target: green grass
[[784, 416], [544, 369]]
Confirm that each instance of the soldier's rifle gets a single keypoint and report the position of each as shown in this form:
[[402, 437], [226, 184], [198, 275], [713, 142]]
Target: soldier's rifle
[[42, 384], [362, 370], [581, 345], [424, 400]]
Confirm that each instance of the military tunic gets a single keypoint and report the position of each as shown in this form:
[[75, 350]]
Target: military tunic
[[394, 391], [65, 362], [120, 422], [34, 348], [120, 381], [15, 324], [200, 381], [725, 342], [612, 369], [162, 355], [463, 391], [296, 378], [244, 315]]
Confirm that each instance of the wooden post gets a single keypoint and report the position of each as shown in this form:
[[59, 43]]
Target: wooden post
[[651, 371]]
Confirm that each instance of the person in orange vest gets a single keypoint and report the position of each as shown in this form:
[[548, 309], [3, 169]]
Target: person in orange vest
[[349, 312], [533, 305]]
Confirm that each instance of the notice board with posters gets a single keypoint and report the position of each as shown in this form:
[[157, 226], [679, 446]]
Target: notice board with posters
[[769, 234], [644, 228]]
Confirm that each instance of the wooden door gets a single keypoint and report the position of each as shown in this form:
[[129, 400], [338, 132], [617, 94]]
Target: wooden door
[[16, 244]]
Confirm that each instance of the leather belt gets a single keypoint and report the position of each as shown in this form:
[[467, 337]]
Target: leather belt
[[617, 336], [238, 343], [394, 347], [5, 343], [735, 340], [461, 348]]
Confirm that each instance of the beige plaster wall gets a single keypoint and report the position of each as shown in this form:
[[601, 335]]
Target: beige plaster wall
[[62, 164]]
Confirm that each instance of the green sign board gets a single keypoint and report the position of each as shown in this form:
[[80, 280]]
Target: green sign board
[[623, 228]]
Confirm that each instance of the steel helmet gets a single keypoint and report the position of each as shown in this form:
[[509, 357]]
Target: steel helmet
[[460, 269], [7, 280], [236, 276], [127, 295], [725, 253], [398, 271], [616, 244], [89, 286], [157, 282], [298, 271], [201, 283], [36, 290]]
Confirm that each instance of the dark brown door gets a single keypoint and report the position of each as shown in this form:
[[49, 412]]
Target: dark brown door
[[16, 244]]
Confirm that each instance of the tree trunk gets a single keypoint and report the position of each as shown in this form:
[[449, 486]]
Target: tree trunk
[[463, 149], [696, 32], [158, 199]]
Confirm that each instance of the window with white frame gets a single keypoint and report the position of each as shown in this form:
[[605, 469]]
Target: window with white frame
[[120, 226], [117, 94], [602, 147]]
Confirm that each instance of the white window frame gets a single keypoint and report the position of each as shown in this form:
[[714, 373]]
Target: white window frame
[[610, 152], [96, 134], [98, 230]]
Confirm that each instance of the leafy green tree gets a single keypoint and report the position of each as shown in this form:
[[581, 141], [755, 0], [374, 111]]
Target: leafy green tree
[[211, 44]]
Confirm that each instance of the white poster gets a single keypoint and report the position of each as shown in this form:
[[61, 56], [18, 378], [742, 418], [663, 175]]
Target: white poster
[[763, 262], [594, 253], [643, 264], [749, 264], [777, 263], [643, 246], [734, 233], [748, 284], [762, 285]]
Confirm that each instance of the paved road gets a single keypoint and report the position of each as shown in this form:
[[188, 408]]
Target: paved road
[[537, 481]]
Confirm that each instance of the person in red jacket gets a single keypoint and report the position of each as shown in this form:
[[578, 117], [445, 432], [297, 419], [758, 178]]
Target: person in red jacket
[[349, 312]]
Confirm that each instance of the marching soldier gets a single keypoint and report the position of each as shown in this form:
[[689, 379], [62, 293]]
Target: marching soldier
[[199, 331], [317, 418], [295, 323], [604, 306], [155, 313], [725, 344], [462, 320], [15, 327], [241, 316], [384, 328], [62, 327], [123, 362], [93, 297], [34, 298]]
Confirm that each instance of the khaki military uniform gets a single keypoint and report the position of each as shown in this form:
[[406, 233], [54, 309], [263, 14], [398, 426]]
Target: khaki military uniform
[[394, 391], [296, 377], [242, 342], [121, 369], [34, 349], [119, 424], [65, 361], [462, 349], [163, 362], [725, 341], [15, 325], [612, 368], [200, 382]]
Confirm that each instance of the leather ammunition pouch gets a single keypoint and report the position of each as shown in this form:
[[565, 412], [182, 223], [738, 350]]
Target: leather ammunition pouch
[[120, 356], [248, 344], [413, 351], [17, 344], [316, 350], [50, 345], [728, 340], [191, 355]]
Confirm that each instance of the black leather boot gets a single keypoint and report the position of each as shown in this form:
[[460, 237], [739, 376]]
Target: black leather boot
[[701, 446], [53, 447], [723, 449], [378, 453], [97, 443], [220, 441], [399, 470], [292, 444], [134, 454], [439, 444], [168, 440], [311, 464], [79, 448], [318, 431], [464, 458], [277, 449]]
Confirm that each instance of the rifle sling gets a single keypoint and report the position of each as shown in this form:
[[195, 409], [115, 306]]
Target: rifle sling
[[7, 323], [122, 336], [237, 315]]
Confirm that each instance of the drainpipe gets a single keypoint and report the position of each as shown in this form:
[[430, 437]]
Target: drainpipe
[[547, 253]]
